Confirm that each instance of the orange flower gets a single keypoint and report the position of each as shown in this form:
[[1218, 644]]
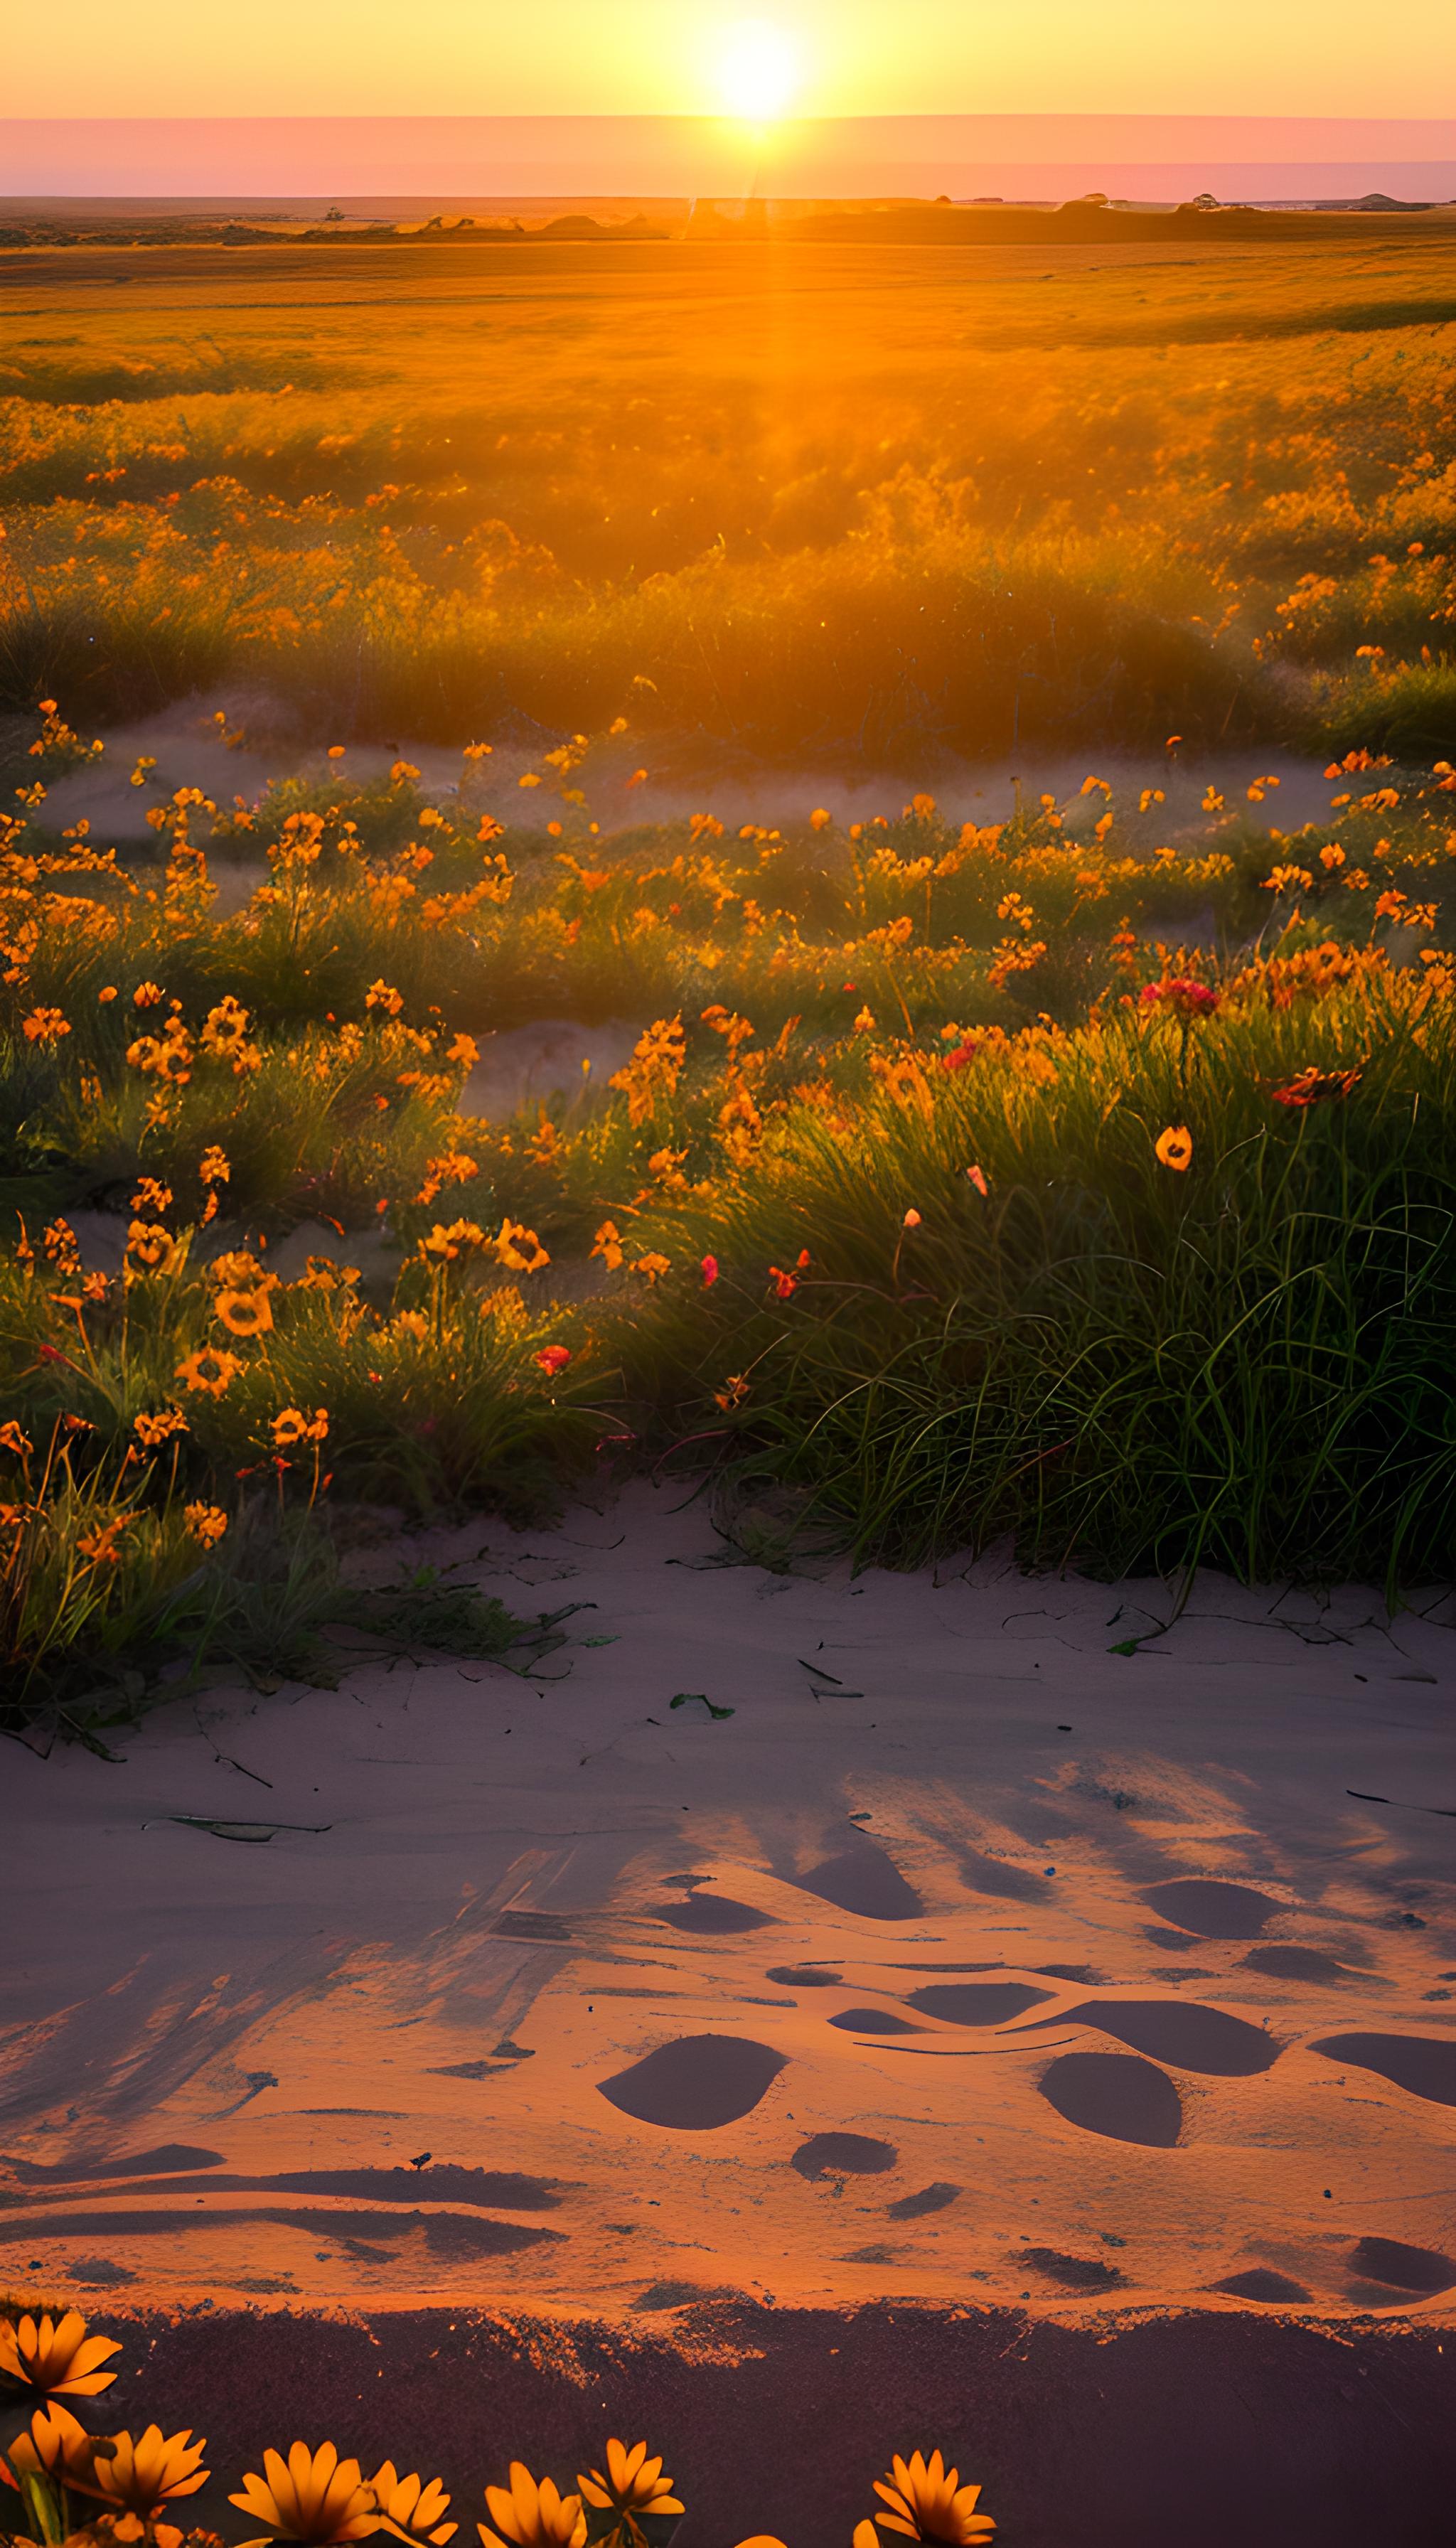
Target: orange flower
[[150, 1249], [44, 1025], [653, 1265], [56, 2355], [212, 1168], [142, 2476], [519, 1249], [1174, 1148], [630, 2484], [381, 996], [464, 1051], [12, 1439], [911, 1220], [553, 1358], [207, 1522], [208, 1370], [607, 1244], [223, 1027], [531, 2515], [820, 818], [244, 1314], [411, 2509], [99, 1547], [977, 1179], [926, 2501], [293, 1425], [148, 995], [57, 2447], [1311, 1088], [151, 1197], [313, 2496], [152, 1430], [785, 1285]]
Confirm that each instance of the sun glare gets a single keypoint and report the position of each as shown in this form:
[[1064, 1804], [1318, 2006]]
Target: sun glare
[[757, 70]]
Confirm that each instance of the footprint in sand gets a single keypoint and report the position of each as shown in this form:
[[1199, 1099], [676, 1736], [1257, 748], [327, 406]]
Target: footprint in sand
[[1116, 2095], [715, 1915], [843, 2155], [696, 2083], [975, 2003], [1424, 2064], [873, 2021], [930, 2197], [1402, 2268], [865, 1880], [1212, 1908], [1260, 2283], [1181, 2032]]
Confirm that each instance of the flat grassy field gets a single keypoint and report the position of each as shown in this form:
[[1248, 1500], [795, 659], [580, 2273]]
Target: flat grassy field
[[871, 500]]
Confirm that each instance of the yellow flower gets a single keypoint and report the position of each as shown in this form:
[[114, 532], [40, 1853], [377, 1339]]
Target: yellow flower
[[208, 1370], [56, 2357], [293, 1425], [1174, 1147], [224, 1027], [632, 2483], [519, 1249], [240, 1271], [445, 1242], [531, 2515], [410, 2509], [464, 1051], [381, 996], [150, 1249], [244, 1314], [212, 1167], [313, 2495], [927, 2501], [142, 2475], [152, 1430], [57, 2446], [206, 1523], [865, 1022], [607, 1244]]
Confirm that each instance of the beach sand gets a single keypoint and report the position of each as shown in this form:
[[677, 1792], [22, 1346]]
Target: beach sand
[[792, 1954]]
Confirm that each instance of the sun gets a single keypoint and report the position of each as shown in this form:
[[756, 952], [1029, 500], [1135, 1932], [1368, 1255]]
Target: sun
[[757, 70]]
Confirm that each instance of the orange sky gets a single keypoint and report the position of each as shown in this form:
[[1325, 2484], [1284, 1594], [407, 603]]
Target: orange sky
[[169, 57]]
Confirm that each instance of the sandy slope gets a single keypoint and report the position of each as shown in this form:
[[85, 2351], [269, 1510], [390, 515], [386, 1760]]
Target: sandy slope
[[963, 1962]]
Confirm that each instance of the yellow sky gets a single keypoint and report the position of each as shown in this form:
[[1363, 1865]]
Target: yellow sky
[[665, 57]]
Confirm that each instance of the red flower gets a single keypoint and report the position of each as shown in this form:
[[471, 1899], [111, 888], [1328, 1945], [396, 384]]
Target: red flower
[[785, 1285], [961, 1054], [709, 1271], [1185, 998], [552, 1358]]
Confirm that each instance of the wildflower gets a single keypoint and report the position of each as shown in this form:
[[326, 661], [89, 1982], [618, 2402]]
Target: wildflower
[[531, 2515], [519, 1249], [152, 1430], [55, 2355], [151, 1197], [445, 1244], [208, 1370], [313, 2495], [293, 1425], [12, 1439], [552, 1358], [1333, 856], [733, 1392], [107, 992], [1314, 1087], [819, 821], [1174, 1147], [224, 1027], [142, 2476], [57, 2446], [709, 1272], [631, 2484], [911, 1220], [653, 1265], [44, 1025], [464, 1052], [785, 1285], [927, 2500], [99, 1546], [410, 2508], [95, 1287], [977, 1179], [150, 1249], [1284, 879], [148, 995], [1187, 999], [212, 1168], [244, 1314], [957, 1058], [382, 995], [865, 1022], [207, 1522], [607, 1244]]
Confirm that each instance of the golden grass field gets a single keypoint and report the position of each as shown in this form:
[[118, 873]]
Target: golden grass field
[[870, 500]]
